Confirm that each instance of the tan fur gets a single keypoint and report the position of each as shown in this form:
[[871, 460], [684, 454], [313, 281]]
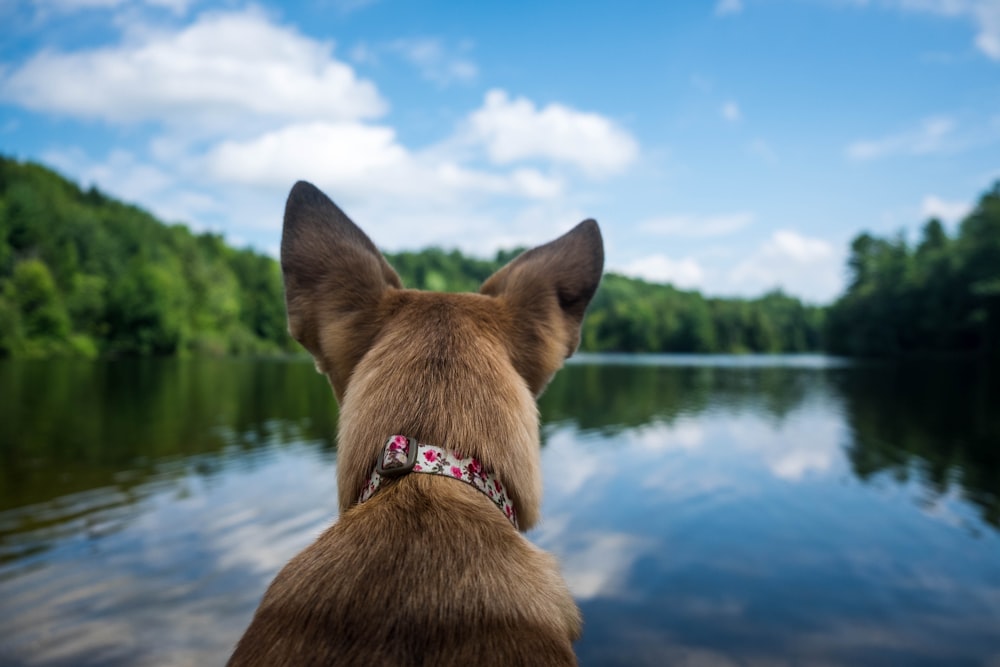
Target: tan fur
[[427, 572]]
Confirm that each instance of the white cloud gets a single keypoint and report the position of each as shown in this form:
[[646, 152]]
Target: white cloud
[[697, 227], [365, 159], [946, 211], [728, 7], [786, 243], [985, 14], [221, 70], [685, 273], [808, 267], [325, 152], [731, 112], [513, 130], [534, 184], [933, 136]]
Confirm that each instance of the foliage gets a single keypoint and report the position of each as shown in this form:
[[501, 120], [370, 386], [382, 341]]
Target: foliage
[[630, 315], [941, 296], [83, 274]]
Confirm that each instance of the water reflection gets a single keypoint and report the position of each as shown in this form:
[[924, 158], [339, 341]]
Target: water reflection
[[724, 524], [706, 511], [69, 426], [616, 393], [937, 424]]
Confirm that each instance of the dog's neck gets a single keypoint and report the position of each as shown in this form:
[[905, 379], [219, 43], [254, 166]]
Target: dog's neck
[[402, 455], [453, 403]]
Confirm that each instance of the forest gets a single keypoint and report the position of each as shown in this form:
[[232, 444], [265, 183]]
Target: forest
[[938, 296], [82, 274]]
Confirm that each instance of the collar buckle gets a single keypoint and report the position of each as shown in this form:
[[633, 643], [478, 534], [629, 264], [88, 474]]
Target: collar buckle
[[399, 455]]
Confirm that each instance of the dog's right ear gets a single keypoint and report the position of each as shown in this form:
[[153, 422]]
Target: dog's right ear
[[547, 290], [335, 278]]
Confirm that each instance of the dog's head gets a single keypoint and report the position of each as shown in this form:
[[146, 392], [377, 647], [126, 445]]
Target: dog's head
[[437, 367]]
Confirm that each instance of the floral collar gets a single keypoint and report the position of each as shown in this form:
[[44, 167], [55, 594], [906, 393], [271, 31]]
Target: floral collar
[[402, 455]]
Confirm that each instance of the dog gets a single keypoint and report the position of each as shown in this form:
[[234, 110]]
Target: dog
[[420, 569]]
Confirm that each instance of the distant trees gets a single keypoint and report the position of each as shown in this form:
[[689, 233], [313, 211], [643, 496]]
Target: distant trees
[[940, 296], [631, 315]]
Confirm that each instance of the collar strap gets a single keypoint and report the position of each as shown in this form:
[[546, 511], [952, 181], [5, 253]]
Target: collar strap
[[401, 455]]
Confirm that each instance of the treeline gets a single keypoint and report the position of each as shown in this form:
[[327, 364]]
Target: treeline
[[941, 295], [83, 274], [630, 315]]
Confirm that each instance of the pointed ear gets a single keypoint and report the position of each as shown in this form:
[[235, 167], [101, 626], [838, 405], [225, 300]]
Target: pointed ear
[[335, 278], [547, 290]]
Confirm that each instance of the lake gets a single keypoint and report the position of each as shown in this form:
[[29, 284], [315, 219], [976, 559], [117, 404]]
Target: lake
[[706, 510]]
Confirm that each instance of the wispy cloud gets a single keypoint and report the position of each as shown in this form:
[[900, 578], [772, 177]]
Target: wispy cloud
[[728, 7], [435, 62], [178, 7], [731, 112], [350, 6], [984, 14], [934, 135], [763, 150]]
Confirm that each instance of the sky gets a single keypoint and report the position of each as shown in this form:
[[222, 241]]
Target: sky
[[730, 146]]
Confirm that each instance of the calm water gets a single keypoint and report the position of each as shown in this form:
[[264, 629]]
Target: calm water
[[707, 511]]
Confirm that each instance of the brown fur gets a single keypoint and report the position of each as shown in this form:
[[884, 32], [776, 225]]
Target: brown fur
[[427, 572]]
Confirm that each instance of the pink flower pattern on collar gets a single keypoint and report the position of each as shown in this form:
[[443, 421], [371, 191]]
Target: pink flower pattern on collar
[[434, 460]]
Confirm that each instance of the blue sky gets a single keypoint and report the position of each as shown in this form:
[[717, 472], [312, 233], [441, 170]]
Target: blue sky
[[727, 145]]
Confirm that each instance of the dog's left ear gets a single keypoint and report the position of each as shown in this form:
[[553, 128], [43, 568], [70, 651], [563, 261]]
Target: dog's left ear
[[547, 290], [335, 279]]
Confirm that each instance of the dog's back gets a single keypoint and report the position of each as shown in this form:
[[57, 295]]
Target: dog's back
[[427, 571]]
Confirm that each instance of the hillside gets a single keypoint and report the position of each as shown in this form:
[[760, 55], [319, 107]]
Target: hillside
[[84, 274]]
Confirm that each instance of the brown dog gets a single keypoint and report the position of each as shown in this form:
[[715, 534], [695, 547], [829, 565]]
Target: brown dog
[[428, 571]]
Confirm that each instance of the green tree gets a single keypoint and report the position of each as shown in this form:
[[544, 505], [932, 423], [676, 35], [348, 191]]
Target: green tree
[[41, 309], [943, 296]]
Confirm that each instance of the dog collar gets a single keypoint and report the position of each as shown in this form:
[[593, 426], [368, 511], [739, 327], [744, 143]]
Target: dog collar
[[401, 455]]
